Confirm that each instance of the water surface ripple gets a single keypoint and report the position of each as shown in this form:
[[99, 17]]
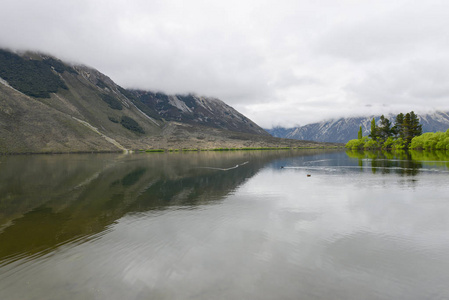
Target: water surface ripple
[[242, 225]]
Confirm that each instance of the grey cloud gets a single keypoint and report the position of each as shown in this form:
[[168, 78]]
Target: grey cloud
[[288, 79], [418, 85], [289, 61], [403, 31]]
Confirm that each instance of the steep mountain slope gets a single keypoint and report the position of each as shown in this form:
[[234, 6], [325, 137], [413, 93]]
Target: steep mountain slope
[[47, 105], [345, 129], [76, 114], [196, 110]]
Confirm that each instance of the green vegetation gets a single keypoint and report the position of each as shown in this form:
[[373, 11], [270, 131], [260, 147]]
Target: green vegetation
[[131, 124], [113, 102], [272, 148], [373, 133], [34, 78], [405, 134], [235, 149], [360, 134], [386, 136], [407, 127], [431, 141], [113, 119], [251, 148]]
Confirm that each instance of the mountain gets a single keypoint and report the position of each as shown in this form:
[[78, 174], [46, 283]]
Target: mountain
[[345, 129], [196, 110], [47, 105]]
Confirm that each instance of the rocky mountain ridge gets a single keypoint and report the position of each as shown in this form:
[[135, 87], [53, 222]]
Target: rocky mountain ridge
[[196, 110]]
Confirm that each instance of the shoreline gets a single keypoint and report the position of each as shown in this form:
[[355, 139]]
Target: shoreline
[[164, 150]]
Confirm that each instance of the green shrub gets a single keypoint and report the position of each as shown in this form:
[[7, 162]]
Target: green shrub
[[356, 144], [443, 143], [113, 119], [417, 143], [399, 144], [388, 144], [372, 144], [113, 102], [431, 141], [131, 124]]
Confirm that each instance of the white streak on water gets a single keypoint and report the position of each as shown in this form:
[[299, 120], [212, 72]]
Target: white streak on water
[[227, 169]]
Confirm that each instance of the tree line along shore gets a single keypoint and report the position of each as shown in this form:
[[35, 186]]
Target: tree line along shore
[[405, 132]]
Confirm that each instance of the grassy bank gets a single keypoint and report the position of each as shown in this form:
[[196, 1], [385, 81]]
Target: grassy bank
[[236, 149]]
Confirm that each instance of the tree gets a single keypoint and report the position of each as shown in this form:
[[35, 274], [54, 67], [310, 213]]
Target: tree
[[399, 136], [406, 128], [411, 127], [398, 129], [415, 126], [373, 133], [384, 130]]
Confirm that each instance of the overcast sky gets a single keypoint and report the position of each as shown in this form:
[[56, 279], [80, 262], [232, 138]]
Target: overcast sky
[[278, 62]]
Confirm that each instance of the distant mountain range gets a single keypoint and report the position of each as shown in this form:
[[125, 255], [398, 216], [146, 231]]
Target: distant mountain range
[[345, 129], [47, 105]]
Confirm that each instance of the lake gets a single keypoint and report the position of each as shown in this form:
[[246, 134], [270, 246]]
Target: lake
[[305, 224]]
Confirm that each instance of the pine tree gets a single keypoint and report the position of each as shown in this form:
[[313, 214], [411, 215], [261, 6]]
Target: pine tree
[[384, 130], [398, 129], [406, 128], [360, 134], [373, 133], [411, 127], [415, 126]]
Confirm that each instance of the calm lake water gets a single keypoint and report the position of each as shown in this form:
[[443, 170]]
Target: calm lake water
[[227, 225]]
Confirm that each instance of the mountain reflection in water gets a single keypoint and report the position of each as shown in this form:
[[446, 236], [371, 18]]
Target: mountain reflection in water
[[49, 200]]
